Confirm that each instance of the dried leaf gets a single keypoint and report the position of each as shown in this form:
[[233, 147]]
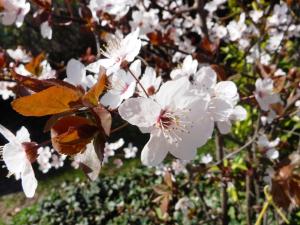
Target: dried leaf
[[168, 179], [53, 100], [164, 205], [91, 98], [286, 183], [71, 134]]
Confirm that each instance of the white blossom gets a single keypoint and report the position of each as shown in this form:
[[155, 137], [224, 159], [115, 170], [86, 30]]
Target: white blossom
[[17, 159], [130, 151], [117, 51], [14, 12], [264, 93]]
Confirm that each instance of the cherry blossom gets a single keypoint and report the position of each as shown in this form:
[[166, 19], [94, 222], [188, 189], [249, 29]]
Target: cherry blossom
[[207, 158], [172, 119], [76, 74], [222, 98], [14, 12], [18, 55], [264, 93], [268, 146], [236, 29], [188, 68], [18, 158], [118, 8], [118, 51], [43, 159], [130, 151], [46, 30], [5, 91], [146, 21], [150, 82], [122, 86]]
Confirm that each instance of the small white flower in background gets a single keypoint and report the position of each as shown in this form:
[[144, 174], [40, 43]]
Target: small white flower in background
[[268, 146], [18, 159], [5, 91], [178, 166], [279, 16], [57, 161], [207, 158], [118, 8], [184, 204], [175, 118], [222, 98], [46, 30], [130, 151], [14, 12], [19, 55], [122, 86], [118, 163], [264, 93], [146, 21], [274, 42], [76, 74], [118, 51], [161, 170], [236, 29], [150, 82], [188, 68], [279, 72], [110, 148], [256, 15], [213, 5], [43, 159]]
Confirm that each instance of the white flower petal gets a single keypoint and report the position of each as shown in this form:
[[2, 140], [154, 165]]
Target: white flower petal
[[154, 151], [220, 109], [142, 112], [29, 182], [75, 72], [23, 135], [224, 126], [14, 157], [239, 113], [90, 159]]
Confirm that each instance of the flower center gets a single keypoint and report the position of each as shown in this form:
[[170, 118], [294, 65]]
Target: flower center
[[173, 125]]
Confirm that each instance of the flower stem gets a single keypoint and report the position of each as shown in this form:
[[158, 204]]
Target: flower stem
[[137, 80]]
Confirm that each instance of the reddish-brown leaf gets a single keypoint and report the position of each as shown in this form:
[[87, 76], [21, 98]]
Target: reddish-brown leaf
[[37, 85], [91, 98], [209, 47], [46, 4], [71, 134], [56, 99]]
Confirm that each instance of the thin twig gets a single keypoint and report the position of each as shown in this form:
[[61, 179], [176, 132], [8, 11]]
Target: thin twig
[[224, 195], [138, 81]]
